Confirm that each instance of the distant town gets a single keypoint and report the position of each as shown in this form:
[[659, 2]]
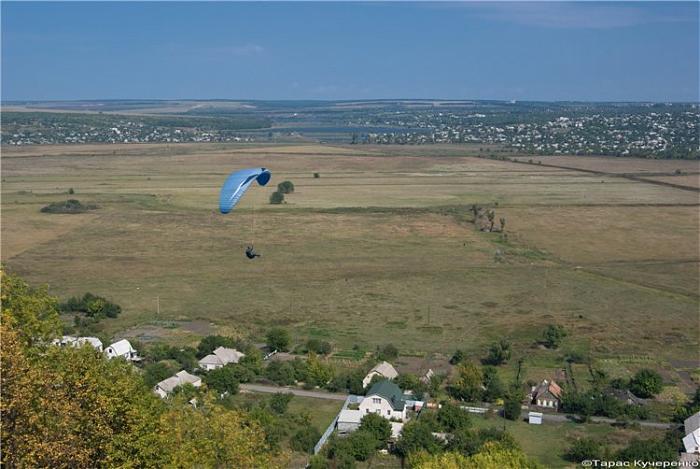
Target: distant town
[[638, 129]]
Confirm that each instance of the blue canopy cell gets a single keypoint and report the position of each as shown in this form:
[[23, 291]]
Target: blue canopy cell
[[238, 183]]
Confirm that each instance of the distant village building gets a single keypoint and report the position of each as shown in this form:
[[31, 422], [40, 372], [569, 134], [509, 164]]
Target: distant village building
[[123, 349], [167, 386], [383, 369], [547, 394], [71, 341], [220, 357]]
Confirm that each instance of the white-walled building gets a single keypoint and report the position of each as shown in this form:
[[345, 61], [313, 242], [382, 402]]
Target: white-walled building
[[386, 399], [383, 369], [691, 440], [121, 348], [220, 357], [71, 341], [167, 386]]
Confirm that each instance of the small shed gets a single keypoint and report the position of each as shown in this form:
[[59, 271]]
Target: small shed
[[534, 418], [348, 421]]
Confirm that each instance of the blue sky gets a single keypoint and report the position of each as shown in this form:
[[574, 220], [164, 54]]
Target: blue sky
[[590, 51]]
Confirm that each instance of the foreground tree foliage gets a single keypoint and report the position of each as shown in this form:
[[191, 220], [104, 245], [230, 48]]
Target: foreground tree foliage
[[69, 407], [492, 456], [30, 312], [212, 437], [65, 407]]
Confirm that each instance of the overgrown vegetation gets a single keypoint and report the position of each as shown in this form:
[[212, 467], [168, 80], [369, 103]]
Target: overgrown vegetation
[[70, 206]]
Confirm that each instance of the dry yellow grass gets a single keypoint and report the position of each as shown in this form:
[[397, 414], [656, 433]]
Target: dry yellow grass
[[412, 271]]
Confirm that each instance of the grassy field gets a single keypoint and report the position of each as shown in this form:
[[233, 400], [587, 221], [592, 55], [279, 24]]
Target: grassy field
[[548, 443], [380, 248]]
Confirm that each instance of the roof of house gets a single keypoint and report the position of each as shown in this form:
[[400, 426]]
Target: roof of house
[[385, 369], [545, 386], [180, 378], [222, 356], [692, 423], [349, 416], [389, 391], [210, 359], [228, 355], [94, 341], [122, 347]]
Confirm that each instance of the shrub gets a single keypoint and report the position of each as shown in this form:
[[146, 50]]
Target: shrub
[[512, 403], [452, 418], [276, 198], [646, 383], [387, 352], [362, 445], [280, 401], [223, 380], [553, 335], [378, 427], [69, 206], [499, 353], [154, 373], [457, 357], [584, 449], [305, 439], [318, 346], [281, 373], [278, 339], [415, 436], [317, 175], [92, 305], [467, 383], [209, 343], [285, 187]]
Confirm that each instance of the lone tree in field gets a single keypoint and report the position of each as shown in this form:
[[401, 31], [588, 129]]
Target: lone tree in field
[[317, 175], [503, 224], [553, 336], [285, 187], [276, 198], [499, 353]]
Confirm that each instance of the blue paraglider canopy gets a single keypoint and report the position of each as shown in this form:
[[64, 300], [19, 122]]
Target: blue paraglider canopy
[[237, 184]]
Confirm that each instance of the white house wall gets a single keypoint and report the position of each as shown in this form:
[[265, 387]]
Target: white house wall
[[382, 407]]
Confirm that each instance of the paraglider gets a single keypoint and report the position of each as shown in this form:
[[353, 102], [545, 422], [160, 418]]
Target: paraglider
[[250, 253], [233, 189], [238, 183]]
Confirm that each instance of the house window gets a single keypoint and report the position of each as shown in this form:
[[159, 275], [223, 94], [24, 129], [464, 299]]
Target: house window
[[376, 400], [388, 412], [366, 411]]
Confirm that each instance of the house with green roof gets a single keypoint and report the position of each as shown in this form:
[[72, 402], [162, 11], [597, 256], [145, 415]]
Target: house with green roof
[[386, 399]]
